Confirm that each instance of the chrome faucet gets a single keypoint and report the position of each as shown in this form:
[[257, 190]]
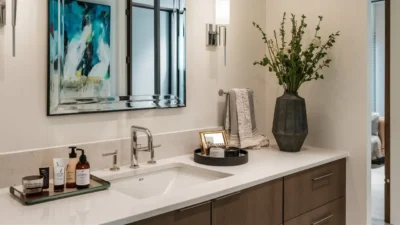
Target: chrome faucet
[[135, 149]]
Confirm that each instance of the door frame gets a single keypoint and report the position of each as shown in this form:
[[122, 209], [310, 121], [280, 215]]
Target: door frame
[[387, 111]]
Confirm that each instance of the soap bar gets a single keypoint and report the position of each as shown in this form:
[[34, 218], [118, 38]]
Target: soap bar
[[217, 152]]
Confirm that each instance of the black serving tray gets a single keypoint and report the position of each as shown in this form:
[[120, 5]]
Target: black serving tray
[[96, 184], [227, 161]]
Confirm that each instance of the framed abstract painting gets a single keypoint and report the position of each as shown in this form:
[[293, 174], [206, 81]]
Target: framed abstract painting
[[80, 53]]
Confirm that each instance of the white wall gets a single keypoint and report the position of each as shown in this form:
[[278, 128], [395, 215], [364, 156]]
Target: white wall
[[23, 120], [395, 112], [338, 107]]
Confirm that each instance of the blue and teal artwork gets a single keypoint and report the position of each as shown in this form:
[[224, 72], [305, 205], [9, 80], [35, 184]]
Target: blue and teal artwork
[[87, 36], [80, 48]]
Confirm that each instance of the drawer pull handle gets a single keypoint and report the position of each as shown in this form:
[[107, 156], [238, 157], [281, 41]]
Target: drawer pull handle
[[227, 196], [194, 206], [322, 177], [322, 220]]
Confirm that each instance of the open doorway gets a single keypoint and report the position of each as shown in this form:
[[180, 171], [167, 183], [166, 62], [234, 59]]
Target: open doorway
[[380, 110]]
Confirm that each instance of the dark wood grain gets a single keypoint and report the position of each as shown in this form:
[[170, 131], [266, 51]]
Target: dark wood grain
[[303, 194], [259, 205], [387, 109], [228, 211], [334, 213], [200, 215]]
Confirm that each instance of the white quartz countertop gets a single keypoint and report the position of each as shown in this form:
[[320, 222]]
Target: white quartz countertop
[[112, 207]]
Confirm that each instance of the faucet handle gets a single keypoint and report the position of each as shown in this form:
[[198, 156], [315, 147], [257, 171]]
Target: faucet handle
[[146, 149], [115, 160]]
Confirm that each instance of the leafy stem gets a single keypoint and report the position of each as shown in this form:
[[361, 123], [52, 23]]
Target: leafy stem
[[292, 64]]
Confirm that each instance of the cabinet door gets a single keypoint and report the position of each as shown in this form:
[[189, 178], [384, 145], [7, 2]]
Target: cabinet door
[[264, 204], [194, 215], [228, 210], [260, 205]]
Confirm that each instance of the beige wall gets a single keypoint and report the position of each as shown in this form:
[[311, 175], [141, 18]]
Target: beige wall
[[23, 120], [1, 54], [338, 107]]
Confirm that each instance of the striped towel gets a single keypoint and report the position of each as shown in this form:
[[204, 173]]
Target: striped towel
[[240, 123]]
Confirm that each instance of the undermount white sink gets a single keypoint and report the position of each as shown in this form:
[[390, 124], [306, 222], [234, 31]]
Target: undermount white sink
[[160, 180]]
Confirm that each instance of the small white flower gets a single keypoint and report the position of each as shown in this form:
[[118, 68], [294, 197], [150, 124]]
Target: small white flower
[[316, 42]]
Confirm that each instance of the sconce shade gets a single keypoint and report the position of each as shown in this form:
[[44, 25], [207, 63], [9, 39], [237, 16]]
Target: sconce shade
[[223, 12], [2, 12]]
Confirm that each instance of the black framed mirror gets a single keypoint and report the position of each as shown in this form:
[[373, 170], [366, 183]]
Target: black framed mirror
[[116, 55]]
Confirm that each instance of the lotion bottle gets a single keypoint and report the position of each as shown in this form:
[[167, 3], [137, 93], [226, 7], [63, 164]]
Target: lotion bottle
[[82, 172], [71, 168]]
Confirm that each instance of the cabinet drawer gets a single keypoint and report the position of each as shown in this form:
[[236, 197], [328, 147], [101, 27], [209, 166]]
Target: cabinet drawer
[[333, 213], [313, 188]]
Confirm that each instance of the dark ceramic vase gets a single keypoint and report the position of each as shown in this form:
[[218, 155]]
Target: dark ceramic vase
[[290, 127]]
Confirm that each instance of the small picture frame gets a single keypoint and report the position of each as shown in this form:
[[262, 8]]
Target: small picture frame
[[213, 138]]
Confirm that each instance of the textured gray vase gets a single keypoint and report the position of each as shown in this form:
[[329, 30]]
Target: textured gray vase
[[290, 127]]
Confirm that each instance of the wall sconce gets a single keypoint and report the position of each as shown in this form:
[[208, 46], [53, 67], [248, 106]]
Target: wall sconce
[[217, 34], [2, 12], [13, 19], [13, 22]]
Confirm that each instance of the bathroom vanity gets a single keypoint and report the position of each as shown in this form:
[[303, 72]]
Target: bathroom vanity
[[274, 188], [310, 197]]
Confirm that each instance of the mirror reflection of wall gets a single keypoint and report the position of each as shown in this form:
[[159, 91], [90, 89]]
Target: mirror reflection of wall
[[171, 79], [216, 139], [378, 62]]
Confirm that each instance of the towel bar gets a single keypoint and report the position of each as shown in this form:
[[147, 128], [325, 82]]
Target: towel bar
[[222, 92]]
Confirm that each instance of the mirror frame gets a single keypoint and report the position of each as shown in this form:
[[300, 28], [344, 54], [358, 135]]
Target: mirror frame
[[119, 103]]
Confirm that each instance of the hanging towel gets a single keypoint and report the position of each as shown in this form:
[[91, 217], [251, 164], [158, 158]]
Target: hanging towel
[[240, 123]]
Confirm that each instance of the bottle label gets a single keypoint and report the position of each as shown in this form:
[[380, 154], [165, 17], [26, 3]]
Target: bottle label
[[59, 175], [82, 177], [71, 176], [217, 152]]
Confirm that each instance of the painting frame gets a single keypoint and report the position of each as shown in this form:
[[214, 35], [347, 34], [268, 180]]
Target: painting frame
[[203, 141], [55, 8]]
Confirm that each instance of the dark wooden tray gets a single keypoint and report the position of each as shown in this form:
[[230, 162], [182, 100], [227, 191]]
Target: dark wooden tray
[[228, 161], [96, 184]]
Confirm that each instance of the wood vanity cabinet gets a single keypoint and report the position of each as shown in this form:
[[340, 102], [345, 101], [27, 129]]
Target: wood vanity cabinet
[[259, 205], [199, 214]]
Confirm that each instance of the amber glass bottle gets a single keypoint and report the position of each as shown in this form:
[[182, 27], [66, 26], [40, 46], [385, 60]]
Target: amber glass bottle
[[82, 172]]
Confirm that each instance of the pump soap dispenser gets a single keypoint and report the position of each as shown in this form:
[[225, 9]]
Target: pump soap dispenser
[[82, 172], [71, 168]]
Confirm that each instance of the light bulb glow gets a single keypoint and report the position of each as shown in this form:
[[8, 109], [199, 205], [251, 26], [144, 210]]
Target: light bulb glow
[[223, 12]]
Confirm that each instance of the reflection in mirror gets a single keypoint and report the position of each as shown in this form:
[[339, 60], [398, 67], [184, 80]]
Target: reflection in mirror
[[215, 139], [92, 68], [145, 79]]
